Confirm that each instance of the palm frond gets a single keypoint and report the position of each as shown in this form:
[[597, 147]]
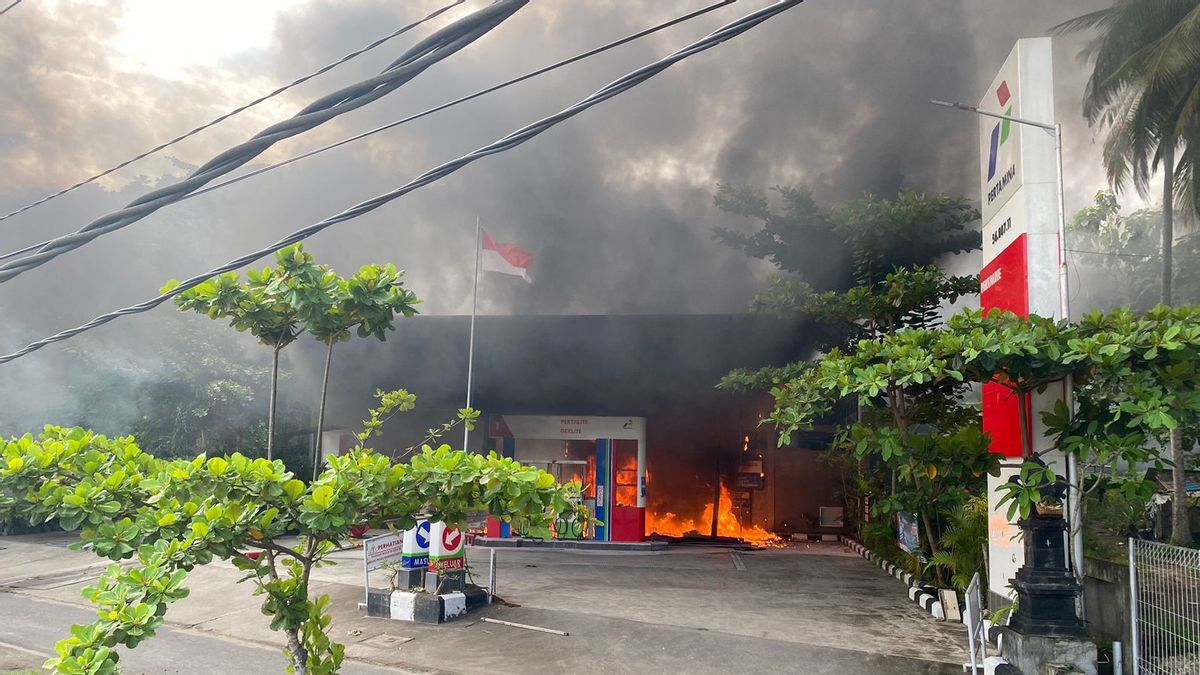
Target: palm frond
[[1089, 21]]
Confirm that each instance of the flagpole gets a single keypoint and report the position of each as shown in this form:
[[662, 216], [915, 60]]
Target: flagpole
[[471, 349]]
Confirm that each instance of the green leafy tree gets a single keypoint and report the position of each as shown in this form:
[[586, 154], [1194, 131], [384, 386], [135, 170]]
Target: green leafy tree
[[843, 265], [1127, 246], [907, 433], [367, 304], [263, 306], [1133, 375], [905, 298], [1144, 389], [915, 425], [855, 244], [169, 516], [1145, 89]]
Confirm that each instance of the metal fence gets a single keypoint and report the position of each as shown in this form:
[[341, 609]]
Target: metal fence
[[1164, 590]]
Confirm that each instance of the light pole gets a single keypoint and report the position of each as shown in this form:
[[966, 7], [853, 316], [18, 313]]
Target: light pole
[[1064, 309]]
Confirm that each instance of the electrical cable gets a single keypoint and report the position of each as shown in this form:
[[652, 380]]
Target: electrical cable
[[1117, 254], [5, 10], [235, 111], [429, 111], [509, 142], [413, 62]]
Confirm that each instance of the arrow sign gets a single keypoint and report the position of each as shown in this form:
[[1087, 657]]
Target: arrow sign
[[423, 535], [451, 539]]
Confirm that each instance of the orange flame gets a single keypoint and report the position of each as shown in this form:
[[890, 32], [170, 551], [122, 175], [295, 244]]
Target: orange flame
[[728, 525]]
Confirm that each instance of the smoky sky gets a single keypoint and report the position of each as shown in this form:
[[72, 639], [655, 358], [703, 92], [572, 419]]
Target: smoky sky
[[615, 205]]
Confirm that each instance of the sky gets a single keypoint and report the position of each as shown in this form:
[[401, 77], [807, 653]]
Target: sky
[[615, 205]]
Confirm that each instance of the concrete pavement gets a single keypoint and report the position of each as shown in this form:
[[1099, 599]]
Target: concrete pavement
[[32, 626], [809, 609]]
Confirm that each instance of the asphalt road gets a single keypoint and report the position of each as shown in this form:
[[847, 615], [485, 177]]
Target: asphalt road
[[29, 627]]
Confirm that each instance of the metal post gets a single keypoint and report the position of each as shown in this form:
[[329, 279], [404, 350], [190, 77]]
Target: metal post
[[972, 639], [366, 578], [471, 348], [1075, 481], [491, 574], [716, 499], [1118, 658], [1133, 608]]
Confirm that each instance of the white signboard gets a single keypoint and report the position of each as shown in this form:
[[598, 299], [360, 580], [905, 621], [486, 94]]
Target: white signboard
[[378, 551], [563, 427], [1010, 222], [1013, 155], [1000, 170]]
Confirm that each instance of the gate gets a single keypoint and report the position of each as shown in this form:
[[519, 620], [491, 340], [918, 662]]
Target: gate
[[1164, 591]]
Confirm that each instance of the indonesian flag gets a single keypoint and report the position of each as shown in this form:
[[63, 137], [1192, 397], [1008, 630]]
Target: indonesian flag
[[505, 258]]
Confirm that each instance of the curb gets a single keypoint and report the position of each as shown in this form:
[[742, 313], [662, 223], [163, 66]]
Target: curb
[[924, 596], [996, 665], [579, 544], [424, 607]]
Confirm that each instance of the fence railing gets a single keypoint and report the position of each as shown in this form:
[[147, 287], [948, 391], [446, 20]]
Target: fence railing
[[1164, 585]]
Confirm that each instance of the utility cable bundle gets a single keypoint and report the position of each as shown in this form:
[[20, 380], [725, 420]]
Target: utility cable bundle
[[240, 109], [428, 111], [507, 143], [413, 62]]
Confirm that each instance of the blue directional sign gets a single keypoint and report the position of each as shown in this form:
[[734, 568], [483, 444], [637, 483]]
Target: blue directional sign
[[423, 535]]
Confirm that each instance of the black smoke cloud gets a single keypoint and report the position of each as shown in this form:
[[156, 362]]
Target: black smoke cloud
[[615, 204]]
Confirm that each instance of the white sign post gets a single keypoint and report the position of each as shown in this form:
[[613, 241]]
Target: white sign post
[[377, 552], [446, 548], [416, 546]]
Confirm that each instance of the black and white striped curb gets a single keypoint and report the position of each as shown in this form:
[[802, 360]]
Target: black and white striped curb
[[996, 665], [925, 596]]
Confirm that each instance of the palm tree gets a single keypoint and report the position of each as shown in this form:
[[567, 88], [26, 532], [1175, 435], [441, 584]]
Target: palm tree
[[1145, 89]]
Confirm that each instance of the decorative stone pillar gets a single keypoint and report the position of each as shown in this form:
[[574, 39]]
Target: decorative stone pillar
[[1048, 595], [1046, 633]]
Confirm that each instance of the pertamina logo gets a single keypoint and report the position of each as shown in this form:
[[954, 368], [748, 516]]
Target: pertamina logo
[[1001, 132]]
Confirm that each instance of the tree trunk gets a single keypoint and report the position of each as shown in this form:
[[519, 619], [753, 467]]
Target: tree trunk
[[271, 405], [1023, 425], [1181, 530], [296, 651], [321, 410], [929, 535], [1168, 228]]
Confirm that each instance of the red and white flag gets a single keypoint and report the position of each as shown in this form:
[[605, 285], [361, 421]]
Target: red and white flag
[[505, 258]]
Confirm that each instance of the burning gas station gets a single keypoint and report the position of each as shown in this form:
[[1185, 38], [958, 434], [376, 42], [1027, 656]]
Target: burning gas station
[[627, 407]]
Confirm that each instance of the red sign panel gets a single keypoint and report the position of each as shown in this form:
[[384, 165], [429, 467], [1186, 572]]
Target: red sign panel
[[1004, 284]]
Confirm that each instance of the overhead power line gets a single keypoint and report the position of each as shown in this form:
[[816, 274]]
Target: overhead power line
[[231, 113], [509, 142], [429, 111], [5, 10], [1117, 254], [413, 62]]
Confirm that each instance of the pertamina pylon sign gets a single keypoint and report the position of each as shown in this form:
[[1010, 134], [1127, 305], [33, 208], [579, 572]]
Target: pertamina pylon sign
[[1018, 176]]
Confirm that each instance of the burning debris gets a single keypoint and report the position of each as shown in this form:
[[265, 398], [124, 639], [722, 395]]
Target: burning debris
[[728, 524]]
